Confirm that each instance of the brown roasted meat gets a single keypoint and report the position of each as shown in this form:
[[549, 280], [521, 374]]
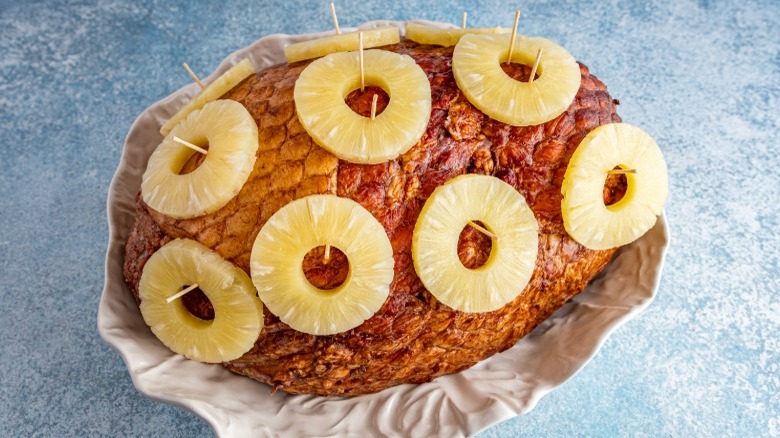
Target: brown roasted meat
[[413, 338]]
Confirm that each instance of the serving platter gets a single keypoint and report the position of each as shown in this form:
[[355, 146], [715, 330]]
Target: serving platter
[[498, 388]]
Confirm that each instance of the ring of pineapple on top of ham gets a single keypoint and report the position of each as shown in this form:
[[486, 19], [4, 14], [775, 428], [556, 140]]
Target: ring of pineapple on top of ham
[[585, 216], [344, 42], [476, 64], [212, 91], [512, 258], [238, 313], [324, 84], [276, 264], [230, 133]]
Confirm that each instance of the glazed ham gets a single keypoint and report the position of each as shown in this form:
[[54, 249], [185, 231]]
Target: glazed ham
[[413, 338]]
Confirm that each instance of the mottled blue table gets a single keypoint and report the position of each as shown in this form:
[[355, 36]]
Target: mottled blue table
[[702, 77]]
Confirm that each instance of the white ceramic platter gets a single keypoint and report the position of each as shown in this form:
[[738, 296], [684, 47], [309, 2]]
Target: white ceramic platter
[[501, 387]]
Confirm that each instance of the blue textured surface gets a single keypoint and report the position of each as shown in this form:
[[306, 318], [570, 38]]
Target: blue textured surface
[[702, 77]]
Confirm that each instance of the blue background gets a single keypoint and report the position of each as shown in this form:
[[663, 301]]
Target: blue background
[[702, 77]]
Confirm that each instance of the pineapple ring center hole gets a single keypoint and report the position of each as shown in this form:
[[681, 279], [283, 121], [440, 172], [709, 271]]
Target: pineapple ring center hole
[[360, 101], [196, 158], [325, 274], [197, 303], [615, 187], [474, 247], [520, 72]]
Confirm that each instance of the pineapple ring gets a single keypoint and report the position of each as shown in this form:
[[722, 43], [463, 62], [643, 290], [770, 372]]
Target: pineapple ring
[[445, 37], [306, 223], [213, 91], [325, 83], [511, 263], [476, 64], [231, 133], [238, 313], [380, 36], [585, 216]]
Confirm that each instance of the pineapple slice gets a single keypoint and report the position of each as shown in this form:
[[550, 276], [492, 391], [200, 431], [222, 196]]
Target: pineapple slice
[[445, 37], [435, 243], [476, 64], [585, 217], [238, 313], [345, 42], [213, 91], [231, 134], [307, 223], [319, 100]]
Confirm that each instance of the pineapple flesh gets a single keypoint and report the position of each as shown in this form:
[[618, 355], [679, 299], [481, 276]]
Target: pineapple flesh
[[345, 42], [585, 216], [307, 223], [213, 91], [230, 133], [445, 37], [476, 64], [238, 313], [319, 101], [511, 263]]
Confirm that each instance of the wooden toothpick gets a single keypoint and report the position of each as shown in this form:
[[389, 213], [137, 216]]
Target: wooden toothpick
[[360, 53], [326, 257], [512, 40], [465, 14], [190, 145], [335, 19], [536, 65], [482, 229], [182, 293], [373, 106], [620, 171], [194, 76]]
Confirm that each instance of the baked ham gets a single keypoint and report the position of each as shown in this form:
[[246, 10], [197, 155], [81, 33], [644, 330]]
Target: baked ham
[[413, 338]]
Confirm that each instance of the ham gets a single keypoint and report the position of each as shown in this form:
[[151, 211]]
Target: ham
[[412, 338]]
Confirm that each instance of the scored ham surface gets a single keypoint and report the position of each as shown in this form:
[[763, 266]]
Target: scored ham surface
[[413, 338]]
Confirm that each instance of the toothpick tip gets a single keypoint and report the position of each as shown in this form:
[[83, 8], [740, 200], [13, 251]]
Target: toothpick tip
[[335, 19], [193, 75], [620, 171], [326, 256], [182, 293], [482, 230], [190, 145], [360, 55], [532, 76], [373, 106], [512, 38]]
